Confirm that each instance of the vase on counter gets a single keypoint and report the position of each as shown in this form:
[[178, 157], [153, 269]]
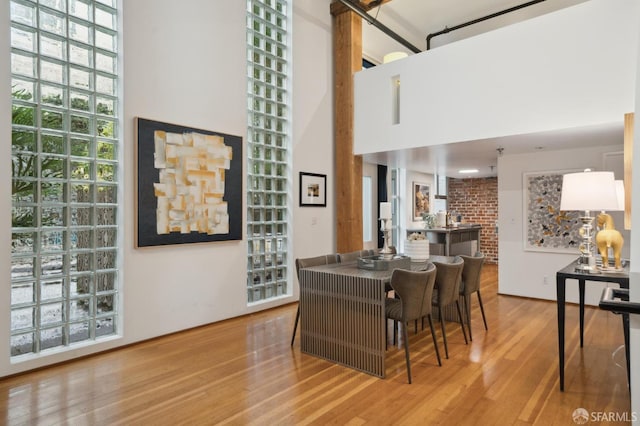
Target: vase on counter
[[417, 250], [428, 220]]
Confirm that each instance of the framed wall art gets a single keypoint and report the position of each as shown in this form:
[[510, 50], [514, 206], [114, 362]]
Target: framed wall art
[[546, 227], [421, 200], [313, 190], [189, 185]]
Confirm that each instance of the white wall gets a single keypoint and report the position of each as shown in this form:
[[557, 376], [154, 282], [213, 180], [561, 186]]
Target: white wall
[[184, 63], [313, 150], [521, 272], [634, 285], [540, 75]]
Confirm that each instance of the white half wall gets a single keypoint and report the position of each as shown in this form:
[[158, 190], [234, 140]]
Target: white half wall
[[185, 63], [572, 68]]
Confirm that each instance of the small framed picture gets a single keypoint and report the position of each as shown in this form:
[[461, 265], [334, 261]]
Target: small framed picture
[[313, 190], [421, 200]]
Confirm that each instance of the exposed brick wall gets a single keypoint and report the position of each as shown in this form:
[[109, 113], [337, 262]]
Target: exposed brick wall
[[477, 201]]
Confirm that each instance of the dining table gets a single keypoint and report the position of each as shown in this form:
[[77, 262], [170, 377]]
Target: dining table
[[342, 313]]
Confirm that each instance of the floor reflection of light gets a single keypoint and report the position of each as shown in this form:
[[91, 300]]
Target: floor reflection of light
[[475, 354]]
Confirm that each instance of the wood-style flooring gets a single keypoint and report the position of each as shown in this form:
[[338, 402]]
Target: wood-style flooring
[[243, 371]]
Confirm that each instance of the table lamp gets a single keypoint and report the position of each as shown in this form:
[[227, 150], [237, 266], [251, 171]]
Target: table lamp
[[588, 191]]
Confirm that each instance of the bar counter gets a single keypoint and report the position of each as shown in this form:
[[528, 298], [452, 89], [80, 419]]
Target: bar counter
[[452, 240]]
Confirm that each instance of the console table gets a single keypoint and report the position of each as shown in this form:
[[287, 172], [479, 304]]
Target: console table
[[569, 272]]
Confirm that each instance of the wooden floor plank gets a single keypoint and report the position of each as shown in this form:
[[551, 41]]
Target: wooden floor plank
[[243, 372]]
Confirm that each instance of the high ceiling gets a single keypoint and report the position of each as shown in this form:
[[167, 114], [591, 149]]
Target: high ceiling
[[413, 21]]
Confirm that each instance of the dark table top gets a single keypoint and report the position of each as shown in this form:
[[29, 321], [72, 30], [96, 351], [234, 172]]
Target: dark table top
[[569, 271], [351, 268]]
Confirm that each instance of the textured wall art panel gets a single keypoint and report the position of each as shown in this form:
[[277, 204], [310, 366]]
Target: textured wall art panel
[[547, 228], [189, 185]]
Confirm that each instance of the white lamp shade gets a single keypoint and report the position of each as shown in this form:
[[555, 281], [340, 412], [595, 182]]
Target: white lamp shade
[[589, 191], [385, 210]]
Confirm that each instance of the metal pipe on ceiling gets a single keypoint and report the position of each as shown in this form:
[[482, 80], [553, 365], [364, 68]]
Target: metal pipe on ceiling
[[362, 13], [484, 18]]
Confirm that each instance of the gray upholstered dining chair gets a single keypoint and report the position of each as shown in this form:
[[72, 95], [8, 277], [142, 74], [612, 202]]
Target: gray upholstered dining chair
[[413, 291], [354, 255], [471, 284], [448, 278], [306, 263]]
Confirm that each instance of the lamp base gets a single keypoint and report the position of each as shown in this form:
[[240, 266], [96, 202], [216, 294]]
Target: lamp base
[[587, 264], [587, 261], [386, 251]]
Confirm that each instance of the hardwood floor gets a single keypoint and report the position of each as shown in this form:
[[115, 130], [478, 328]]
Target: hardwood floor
[[243, 371]]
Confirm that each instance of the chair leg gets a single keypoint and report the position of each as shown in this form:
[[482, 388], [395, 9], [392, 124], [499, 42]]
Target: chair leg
[[466, 301], [406, 348], [464, 333], [295, 325], [386, 334], [444, 335], [435, 341], [395, 332], [482, 310]]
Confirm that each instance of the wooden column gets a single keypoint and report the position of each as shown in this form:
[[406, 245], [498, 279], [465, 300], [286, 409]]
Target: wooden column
[[347, 45]]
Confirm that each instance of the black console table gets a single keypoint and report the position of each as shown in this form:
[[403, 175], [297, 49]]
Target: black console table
[[569, 272]]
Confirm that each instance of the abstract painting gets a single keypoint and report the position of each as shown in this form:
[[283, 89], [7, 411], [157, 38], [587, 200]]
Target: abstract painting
[[547, 228], [189, 185]]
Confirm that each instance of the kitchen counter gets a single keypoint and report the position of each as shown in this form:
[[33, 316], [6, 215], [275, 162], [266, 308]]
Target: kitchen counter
[[452, 240]]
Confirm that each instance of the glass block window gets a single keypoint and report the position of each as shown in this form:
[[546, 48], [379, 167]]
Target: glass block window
[[64, 162], [268, 148]]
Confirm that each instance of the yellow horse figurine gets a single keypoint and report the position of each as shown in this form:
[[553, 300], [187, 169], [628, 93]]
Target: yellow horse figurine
[[608, 237]]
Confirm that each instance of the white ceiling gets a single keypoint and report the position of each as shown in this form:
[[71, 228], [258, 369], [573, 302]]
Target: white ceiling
[[414, 20]]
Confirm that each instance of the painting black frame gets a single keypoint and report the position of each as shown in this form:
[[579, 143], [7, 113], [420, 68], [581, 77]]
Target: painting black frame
[[317, 181]]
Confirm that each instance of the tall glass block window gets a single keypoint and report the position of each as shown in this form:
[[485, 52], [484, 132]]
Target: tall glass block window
[[268, 147], [64, 162]]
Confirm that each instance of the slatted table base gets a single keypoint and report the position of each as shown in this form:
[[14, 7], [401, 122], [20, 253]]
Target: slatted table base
[[343, 320]]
